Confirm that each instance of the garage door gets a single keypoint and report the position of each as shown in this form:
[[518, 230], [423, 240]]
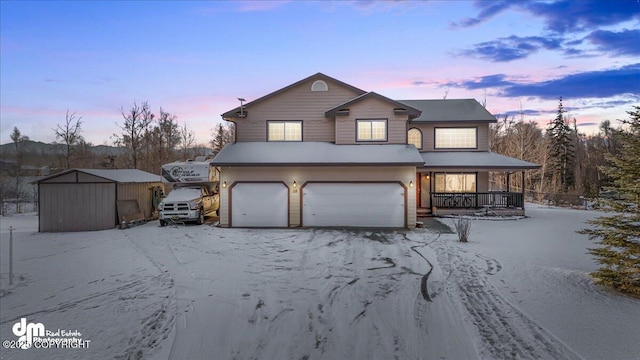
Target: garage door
[[353, 204], [259, 205]]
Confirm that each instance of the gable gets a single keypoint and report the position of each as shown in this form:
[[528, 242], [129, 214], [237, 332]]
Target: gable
[[314, 84]]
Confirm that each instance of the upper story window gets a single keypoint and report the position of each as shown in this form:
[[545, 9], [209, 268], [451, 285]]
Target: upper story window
[[456, 138], [371, 130], [414, 136], [319, 85], [284, 130]]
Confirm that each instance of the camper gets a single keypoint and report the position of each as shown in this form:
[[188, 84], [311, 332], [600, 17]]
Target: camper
[[193, 192]]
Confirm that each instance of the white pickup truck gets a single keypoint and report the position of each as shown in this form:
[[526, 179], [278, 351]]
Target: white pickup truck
[[188, 202]]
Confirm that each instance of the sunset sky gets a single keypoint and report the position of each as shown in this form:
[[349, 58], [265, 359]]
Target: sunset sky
[[195, 58]]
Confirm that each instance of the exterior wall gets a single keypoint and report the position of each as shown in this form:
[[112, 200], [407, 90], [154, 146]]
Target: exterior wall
[[371, 109], [140, 192], [77, 207], [298, 103], [66, 178], [428, 134], [302, 175]]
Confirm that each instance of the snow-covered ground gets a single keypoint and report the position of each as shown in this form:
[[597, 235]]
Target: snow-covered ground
[[519, 289]]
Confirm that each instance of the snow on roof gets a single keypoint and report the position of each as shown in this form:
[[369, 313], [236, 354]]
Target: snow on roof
[[117, 175], [450, 110], [474, 159], [316, 153], [124, 175]]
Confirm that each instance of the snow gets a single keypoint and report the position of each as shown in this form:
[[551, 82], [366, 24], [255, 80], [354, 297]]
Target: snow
[[318, 153], [518, 289]]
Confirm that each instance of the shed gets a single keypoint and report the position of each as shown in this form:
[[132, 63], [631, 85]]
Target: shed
[[86, 199]]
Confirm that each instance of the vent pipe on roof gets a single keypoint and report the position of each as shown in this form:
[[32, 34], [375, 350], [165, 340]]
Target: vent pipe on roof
[[242, 100]]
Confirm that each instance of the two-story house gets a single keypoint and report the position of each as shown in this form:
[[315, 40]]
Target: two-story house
[[321, 152]]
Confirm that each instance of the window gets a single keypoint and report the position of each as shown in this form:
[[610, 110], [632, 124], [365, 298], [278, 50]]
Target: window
[[455, 182], [371, 130], [456, 138], [414, 136], [284, 130], [319, 85]]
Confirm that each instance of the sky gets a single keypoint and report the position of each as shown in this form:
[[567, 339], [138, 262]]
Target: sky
[[195, 59]]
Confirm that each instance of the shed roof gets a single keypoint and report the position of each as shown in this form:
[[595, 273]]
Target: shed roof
[[458, 110], [116, 175], [474, 160], [315, 153]]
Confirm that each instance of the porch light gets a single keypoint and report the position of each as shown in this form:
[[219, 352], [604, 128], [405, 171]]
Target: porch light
[[426, 177], [411, 183], [295, 184], [224, 184]]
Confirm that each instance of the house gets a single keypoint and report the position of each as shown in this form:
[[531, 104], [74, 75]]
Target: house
[[323, 153], [93, 199]]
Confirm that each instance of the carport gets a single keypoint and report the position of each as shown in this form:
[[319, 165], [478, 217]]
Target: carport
[[86, 199]]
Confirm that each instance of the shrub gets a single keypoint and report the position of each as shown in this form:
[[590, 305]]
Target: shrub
[[463, 228]]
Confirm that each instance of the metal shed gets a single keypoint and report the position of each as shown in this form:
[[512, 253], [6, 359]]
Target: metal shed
[[86, 199]]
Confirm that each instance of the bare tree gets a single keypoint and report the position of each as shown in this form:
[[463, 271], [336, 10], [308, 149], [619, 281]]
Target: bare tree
[[134, 129], [69, 134], [187, 139]]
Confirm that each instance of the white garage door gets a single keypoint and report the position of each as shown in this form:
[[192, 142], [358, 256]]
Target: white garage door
[[259, 205], [358, 205]]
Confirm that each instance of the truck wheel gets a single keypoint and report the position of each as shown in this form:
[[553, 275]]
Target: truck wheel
[[200, 220], [163, 223]]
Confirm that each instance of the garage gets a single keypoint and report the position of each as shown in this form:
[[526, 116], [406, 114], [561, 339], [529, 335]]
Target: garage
[[375, 205], [87, 199], [259, 205]]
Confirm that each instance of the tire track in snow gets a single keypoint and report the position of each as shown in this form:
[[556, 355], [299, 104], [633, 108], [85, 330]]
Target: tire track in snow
[[505, 331]]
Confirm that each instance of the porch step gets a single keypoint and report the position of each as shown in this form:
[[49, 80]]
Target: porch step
[[423, 211]]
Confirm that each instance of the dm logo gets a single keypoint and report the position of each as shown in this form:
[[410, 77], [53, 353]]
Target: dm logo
[[26, 332]]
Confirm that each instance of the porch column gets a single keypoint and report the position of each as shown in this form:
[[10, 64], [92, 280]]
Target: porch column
[[523, 191], [508, 181]]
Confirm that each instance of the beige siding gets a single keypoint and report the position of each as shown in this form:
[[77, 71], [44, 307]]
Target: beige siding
[[140, 192], [77, 207], [301, 175], [298, 103], [371, 109], [428, 135]]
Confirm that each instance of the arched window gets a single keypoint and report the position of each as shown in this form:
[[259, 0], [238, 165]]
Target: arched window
[[414, 136], [319, 85]]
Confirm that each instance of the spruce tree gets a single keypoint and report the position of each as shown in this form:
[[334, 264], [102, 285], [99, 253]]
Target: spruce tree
[[561, 150], [619, 233], [218, 141]]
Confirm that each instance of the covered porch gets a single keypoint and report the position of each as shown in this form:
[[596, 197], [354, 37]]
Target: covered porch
[[453, 183]]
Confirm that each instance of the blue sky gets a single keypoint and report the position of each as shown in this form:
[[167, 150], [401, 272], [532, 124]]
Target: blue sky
[[194, 59]]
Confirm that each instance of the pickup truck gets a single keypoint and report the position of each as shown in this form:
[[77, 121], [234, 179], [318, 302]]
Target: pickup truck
[[188, 203]]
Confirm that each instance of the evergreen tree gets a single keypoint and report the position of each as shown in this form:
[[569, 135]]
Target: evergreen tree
[[218, 141], [561, 150], [619, 233]]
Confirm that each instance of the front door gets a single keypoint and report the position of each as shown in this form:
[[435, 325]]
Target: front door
[[425, 190]]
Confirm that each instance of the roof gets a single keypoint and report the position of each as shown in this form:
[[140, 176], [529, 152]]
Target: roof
[[474, 160], [116, 175], [399, 107], [315, 153], [459, 110], [234, 113]]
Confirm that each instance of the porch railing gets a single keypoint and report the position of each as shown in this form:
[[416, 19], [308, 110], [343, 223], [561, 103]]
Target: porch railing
[[498, 199]]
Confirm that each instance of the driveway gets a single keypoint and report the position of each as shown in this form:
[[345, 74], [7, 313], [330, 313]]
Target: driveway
[[304, 294]]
